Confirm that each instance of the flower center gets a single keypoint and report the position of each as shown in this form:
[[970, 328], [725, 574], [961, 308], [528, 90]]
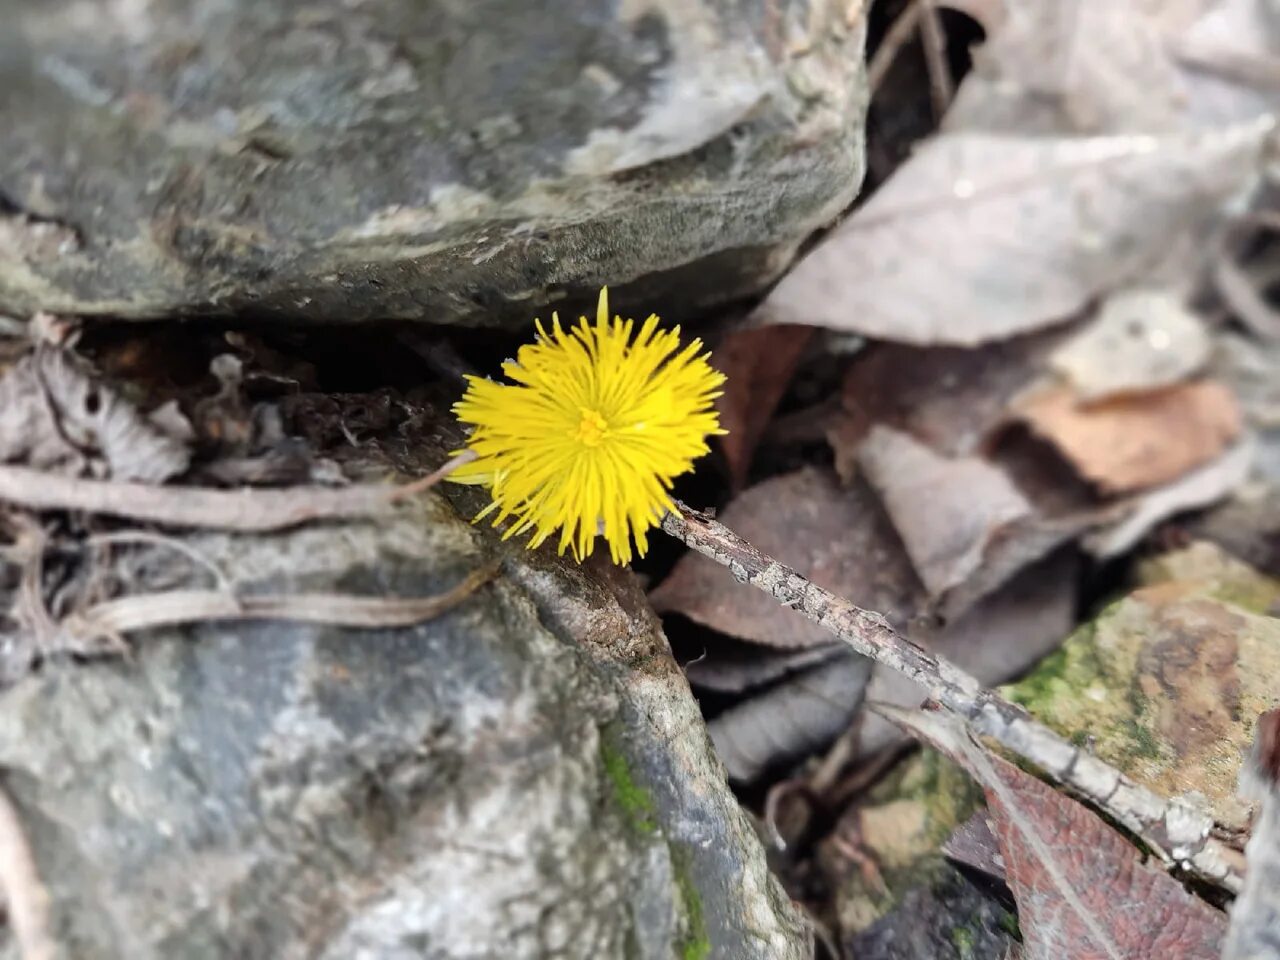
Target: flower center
[[592, 429]]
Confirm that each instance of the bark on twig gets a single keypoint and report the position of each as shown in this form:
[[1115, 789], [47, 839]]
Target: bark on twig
[[894, 40], [24, 896], [1178, 833], [942, 88], [125, 614], [246, 510]]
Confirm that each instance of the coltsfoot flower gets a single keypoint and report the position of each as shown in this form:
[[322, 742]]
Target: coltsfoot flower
[[591, 433]]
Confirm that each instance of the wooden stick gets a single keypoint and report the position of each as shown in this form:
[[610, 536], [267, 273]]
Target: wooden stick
[[1179, 833]]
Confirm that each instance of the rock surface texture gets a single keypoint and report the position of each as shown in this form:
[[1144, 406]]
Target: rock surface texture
[[526, 776], [459, 162]]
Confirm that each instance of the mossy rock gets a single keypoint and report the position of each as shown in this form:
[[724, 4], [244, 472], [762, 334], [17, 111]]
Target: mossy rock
[[1166, 683]]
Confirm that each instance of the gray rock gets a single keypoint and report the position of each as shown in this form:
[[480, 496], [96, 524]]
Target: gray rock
[[526, 776], [462, 162]]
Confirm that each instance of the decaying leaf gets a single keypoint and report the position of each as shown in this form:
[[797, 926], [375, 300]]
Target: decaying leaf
[[734, 666], [1199, 488], [1094, 66], [1243, 295], [1246, 526], [840, 539], [1166, 682], [950, 398], [974, 845], [54, 415], [758, 363], [1252, 367], [1134, 442], [1140, 340], [1255, 916], [947, 511], [799, 715], [979, 237], [1082, 889]]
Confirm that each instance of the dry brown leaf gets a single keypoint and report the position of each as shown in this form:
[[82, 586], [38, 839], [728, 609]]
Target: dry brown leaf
[[948, 397], [976, 847], [735, 667], [1141, 340], [840, 539], [758, 363], [1243, 294], [980, 237], [1132, 443], [1199, 488], [1098, 66], [947, 511], [788, 720], [1083, 891], [54, 415], [1247, 527]]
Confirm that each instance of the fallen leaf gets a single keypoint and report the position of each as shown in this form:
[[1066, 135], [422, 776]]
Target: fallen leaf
[[1166, 681], [1083, 891], [1244, 294], [1199, 488], [1134, 442], [1094, 66], [1252, 367], [840, 539], [735, 667], [947, 511], [1255, 916], [795, 717], [1247, 526], [947, 397], [980, 237], [758, 363], [55, 415], [974, 845], [1140, 340]]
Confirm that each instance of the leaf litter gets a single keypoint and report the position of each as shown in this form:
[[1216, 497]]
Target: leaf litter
[[1048, 368], [1049, 241], [75, 451], [1082, 888]]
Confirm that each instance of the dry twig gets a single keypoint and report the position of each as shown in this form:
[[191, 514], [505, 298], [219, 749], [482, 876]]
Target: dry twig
[[24, 896], [1178, 833], [125, 614], [942, 87], [894, 40], [246, 510]]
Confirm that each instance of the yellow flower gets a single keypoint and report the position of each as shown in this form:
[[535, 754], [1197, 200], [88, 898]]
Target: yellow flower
[[591, 433]]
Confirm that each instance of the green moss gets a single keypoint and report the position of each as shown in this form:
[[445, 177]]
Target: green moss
[[1009, 924], [633, 800], [1142, 742], [694, 944], [963, 940], [1063, 674]]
